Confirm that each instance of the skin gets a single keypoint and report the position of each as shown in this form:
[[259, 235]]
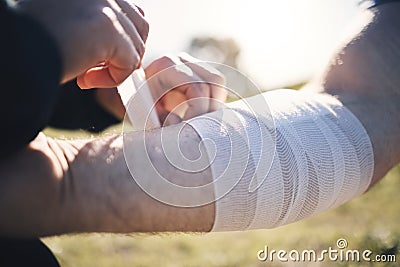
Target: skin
[[172, 88], [53, 187], [75, 191], [101, 42], [364, 75]]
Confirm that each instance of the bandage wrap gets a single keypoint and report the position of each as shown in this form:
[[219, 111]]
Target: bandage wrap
[[307, 154]]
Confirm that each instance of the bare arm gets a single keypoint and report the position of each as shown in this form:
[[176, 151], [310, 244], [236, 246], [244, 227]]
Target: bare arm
[[364, 74], [55, 187]]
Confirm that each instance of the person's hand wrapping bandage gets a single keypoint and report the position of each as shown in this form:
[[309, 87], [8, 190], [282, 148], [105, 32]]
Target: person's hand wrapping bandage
[[101, 42], [183, 87]]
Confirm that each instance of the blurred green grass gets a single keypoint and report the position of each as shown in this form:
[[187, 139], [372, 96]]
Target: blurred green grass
[[368, 222]]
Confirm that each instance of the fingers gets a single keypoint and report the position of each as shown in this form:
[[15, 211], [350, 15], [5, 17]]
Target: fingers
[[167, 73], [166, 117], [201, 85], [212, 76], [126, 47], [119, 64], [136, 15], [218, 96], [132, 22], [198, 100], [130, 31], [208, 73], [180, 77], [175, 101]]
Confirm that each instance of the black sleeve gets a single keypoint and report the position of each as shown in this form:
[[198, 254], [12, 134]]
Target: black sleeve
[[79, 109], [30, 76]]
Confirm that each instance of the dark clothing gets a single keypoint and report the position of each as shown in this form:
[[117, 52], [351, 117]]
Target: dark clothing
[[25, 253], [373, 3], [78, 109], [31, 95], [379, 2], [30, 75], [31, 98]]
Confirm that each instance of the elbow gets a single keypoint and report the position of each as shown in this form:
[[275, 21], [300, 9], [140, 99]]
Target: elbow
[[31, 191]]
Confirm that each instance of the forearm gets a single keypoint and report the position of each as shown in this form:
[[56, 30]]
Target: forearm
[[126, 207], [85, 186], [363, 74], [55, 187]]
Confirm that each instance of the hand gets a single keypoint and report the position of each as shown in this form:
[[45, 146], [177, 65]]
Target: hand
[[101, 42], [184, 87], [169, 106]]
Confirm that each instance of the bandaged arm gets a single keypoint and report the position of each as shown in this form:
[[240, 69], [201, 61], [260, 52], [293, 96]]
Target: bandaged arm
[[283, 156], [54, 187]]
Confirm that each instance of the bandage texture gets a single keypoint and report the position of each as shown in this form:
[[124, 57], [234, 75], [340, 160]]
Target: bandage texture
[[283, 156]]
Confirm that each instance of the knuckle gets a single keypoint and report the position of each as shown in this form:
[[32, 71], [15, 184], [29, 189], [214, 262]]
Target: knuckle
[[140, 49], [204, 89], [136, 61], [131, 63], [143, 28], [108, 18], [159, 65], [146, 27], [165, 61]]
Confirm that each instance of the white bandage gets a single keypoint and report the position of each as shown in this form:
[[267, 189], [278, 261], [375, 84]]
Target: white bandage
[[305, 154]]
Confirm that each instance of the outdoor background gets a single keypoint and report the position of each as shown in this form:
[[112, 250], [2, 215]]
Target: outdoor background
[[281, 43]]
